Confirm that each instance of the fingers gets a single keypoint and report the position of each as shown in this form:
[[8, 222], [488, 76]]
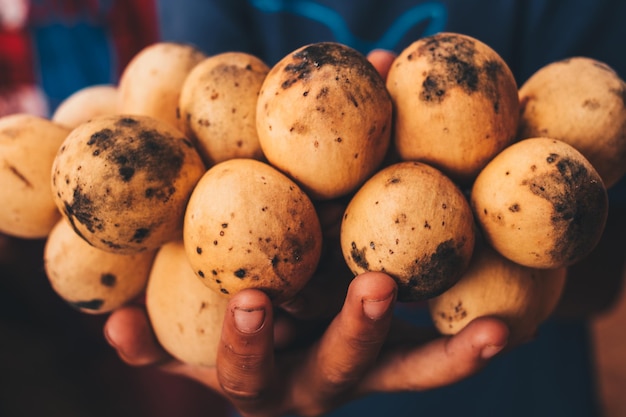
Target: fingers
[[441, 362], [382, 60], [245, 359], [352, 342]]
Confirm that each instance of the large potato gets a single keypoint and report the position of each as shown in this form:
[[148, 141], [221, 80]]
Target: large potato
[[247, 225], [186, 316], [412, 222], [456, 104], [494, 286], [90, 279], [151, 82], [579, 101], [28, 146], [324, 118], [123, 181], [540, 203], [218, 106]]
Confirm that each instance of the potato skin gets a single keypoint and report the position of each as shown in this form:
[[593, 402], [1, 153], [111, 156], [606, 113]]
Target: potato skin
[[87, 103], [186, 316], [123, 181], [218, 106], [324, 118], [89, 279], [455, 104], [247, 225], [494, 286], [412, 222], [28, 146], [540, 203], [580, 101]]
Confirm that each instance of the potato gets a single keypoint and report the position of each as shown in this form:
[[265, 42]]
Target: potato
[[247, 225], [90, 279], [494, 286], [28, 145], [151, 82], [218, 106], [324, 118], [456, 104], [185, 315], [123, 182], [580, 101], [87, 103], [412, 222], [540, 203]]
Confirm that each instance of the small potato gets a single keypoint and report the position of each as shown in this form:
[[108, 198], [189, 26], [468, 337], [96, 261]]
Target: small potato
[[123, 181], [412, 222], [90, 279], [186, 316], [540, 203], [324, 119], [456, 104], [85, 104], [581, 102], [150, 84], [28, 146], [247, 225], [218, 106], [494, 286]]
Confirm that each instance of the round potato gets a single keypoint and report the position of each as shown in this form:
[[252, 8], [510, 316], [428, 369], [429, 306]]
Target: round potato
[[90, 279], [150, 84], [186, 316], [28, 146], [580, 101], [85, 104], [494, 286], [456, 104], [540, 203], [324, 118], [412, 222], [218, 106], [123, 181], [247, 225]]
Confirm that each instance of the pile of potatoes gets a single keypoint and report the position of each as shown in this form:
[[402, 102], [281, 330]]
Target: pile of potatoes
[[198, 176]]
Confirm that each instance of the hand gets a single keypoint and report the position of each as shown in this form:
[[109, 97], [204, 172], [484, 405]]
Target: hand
[[310, 357]]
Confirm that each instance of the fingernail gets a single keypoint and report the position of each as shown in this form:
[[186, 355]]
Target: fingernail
[[490, 351], [376, 309], [249, 320]]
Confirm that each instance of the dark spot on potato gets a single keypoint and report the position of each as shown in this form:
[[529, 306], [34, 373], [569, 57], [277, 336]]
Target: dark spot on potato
[[514, 208], [432, 274], [358, 256], [82, 210], [240, 273], [198, 250], [224, 291], [127, 121], [140, 235], [95, 304], [126, 173], [201, 273], [579, 201], [108, 280], [20, 176]]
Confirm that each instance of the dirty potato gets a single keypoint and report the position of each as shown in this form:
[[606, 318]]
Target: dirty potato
[[218, 106], [324, 118], [28, 146], [540, 203], [580, 101], [123, 181], [456, 104], [90, 279], [412, 222], [247, 225]]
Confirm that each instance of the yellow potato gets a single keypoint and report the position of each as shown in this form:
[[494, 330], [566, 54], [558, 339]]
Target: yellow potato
[[28, 146], [218, 106], [87, 103], [456, 104], [247, 225], [90, 279], [412, 222], [324, 118], [540, 203], [123, 181]]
